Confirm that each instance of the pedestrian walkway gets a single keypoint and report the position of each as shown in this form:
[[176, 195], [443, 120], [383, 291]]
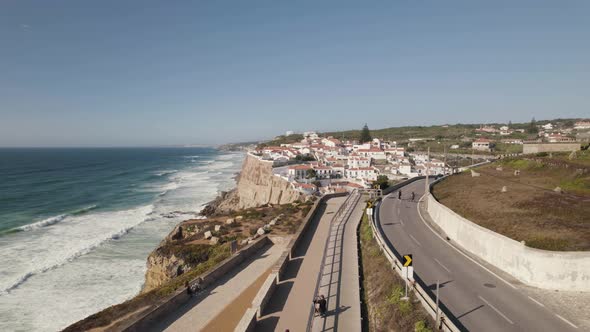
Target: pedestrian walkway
[[199, 311], [340, 275], [289, 307]]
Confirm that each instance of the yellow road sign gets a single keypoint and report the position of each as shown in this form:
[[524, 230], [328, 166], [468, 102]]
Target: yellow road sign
[[407, 260]]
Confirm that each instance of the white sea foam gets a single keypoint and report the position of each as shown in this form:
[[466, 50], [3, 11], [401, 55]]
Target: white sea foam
[[54, 220], [76, 236], [166, 172]]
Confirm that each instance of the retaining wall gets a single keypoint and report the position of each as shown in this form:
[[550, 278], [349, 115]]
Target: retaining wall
[[550, 147], [568, 271]]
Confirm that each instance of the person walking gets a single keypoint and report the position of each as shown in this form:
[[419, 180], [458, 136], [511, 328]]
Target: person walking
[[189, 289], [399, 194], [323, 306]]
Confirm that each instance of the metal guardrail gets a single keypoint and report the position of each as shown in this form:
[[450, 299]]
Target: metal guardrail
[[343, 212], [424, 294]]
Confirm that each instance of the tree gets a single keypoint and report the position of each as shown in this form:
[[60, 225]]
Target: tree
[[532, 129], [382, 181], [365, 134], [510, 123], [311, 173]]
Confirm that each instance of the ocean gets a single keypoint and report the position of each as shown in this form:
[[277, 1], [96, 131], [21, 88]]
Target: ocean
[[76, 225]]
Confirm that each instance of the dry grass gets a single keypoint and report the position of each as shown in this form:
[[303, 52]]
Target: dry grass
[[383, 290], [530, 210]]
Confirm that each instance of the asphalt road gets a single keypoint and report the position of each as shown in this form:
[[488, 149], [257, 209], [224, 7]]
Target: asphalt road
[[479, 299]]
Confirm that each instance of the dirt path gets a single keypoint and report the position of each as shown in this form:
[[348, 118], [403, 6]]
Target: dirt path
[[229, 318]]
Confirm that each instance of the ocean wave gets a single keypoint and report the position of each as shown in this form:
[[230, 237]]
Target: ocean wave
[[91, 245], [166, 172], [53, 220], [42, 223]]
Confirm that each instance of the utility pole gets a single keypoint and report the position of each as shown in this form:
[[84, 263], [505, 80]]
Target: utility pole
[[426, 190]]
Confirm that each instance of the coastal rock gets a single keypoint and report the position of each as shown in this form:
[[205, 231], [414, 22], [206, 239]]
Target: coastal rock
[[160, 269], [257, 186]]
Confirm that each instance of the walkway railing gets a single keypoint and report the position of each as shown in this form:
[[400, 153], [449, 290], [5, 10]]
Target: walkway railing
[[338, 221]]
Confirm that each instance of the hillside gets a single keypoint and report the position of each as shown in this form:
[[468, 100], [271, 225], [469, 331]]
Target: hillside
[[546, 205]]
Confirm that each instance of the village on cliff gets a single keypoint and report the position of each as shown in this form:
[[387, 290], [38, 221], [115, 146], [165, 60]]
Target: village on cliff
[[319, 165]]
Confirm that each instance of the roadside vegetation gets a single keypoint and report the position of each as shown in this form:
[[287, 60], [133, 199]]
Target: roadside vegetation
[[546, 205], [383, 290]]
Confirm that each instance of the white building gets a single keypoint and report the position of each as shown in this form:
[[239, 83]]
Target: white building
[[582, 125], [481, 144], [374, 153], [298, 172], [323, 172], [548, 126], [358, 162], [365, 173]]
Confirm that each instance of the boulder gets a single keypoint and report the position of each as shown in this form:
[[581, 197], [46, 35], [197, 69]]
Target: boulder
[[266, 228], [238, 218], [230, 221], [208, 235], [217, 228], [214, 240], [558, 190], [504, 189], [474, 174], [261, 231]]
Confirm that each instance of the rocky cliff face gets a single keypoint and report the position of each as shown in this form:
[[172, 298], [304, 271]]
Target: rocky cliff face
[[160, 269], [258, 186]]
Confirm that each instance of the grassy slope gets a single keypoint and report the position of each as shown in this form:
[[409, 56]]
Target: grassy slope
[[383, 290], [530, 210]]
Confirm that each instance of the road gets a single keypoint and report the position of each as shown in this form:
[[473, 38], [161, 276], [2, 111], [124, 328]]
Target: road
[[479, 298]]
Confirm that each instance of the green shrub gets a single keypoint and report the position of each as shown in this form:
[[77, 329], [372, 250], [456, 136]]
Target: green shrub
[[420, 326]]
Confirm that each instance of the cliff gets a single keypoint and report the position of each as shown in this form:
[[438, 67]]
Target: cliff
[[257, 186]]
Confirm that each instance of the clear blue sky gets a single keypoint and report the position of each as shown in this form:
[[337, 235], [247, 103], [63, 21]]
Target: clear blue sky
[[108, 73]]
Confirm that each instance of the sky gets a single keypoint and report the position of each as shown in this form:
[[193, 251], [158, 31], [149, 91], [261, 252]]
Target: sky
[[145, 73]]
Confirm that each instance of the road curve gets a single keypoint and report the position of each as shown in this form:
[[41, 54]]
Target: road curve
[[479, 299]]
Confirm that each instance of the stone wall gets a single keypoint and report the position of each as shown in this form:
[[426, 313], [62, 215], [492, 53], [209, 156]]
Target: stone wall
[[569, 271], [529, 148]]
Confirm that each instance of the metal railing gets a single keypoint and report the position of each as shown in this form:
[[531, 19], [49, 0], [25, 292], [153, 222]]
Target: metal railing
[[344, 212], [448, 321]]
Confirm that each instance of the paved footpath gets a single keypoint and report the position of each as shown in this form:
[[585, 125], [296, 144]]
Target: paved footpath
[[290, 306], [197, 313], [340, 277]]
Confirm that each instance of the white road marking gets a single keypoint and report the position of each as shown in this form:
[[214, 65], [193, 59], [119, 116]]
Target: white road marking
[[413, 238], [459, 251], [441, 264], [496, 310], [567, 321], [537, 302]]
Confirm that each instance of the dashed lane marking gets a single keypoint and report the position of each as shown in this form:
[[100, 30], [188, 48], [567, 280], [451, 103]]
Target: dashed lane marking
[[496, 310], [567, 321], [441, 264]]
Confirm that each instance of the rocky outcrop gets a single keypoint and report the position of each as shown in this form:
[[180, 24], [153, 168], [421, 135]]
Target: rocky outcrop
[[257, 186], [160, 269]]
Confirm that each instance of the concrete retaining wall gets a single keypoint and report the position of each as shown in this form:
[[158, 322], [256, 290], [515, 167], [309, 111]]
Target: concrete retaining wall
[[178, 299], [569, 271], [264, 294], [549, 147]]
